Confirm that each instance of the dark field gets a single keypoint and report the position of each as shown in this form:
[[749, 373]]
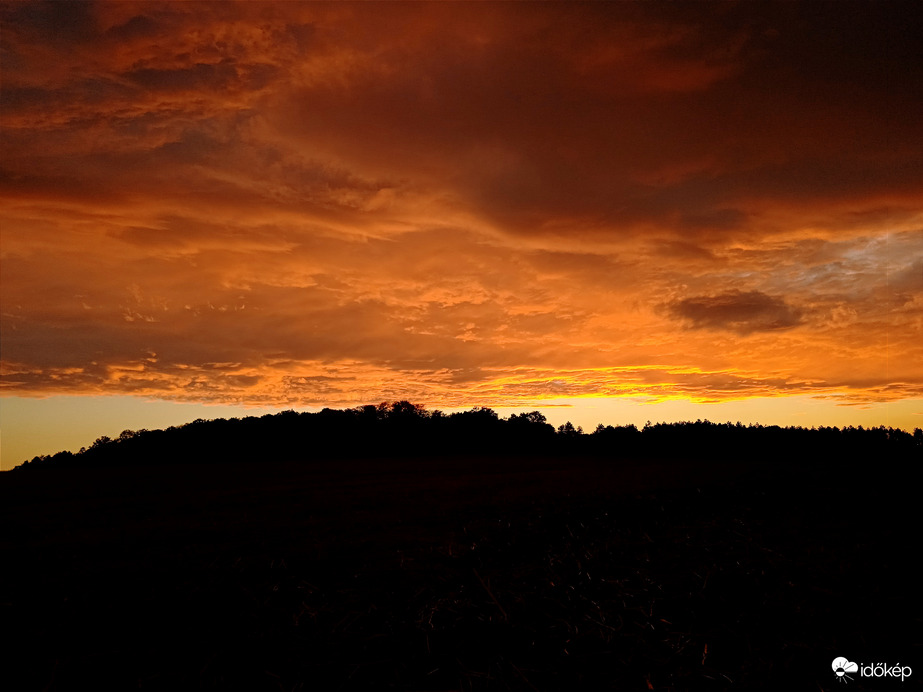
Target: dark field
[[459, 574]]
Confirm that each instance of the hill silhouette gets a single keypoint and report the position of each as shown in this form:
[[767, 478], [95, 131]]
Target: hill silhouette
[[401, 429], [388, 547]]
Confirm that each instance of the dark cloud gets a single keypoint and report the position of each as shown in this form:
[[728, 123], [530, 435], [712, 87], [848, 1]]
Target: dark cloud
[[203, 76], [139, 26], [62, 23], [742, 312]]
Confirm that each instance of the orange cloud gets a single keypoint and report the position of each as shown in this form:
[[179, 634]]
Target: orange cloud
[[333, 204]]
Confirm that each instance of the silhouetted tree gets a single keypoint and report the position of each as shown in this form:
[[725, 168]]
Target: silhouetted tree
[[403, 428], [568, 430]]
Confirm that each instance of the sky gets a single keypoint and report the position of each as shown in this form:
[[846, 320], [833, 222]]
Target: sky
[[611, 212]]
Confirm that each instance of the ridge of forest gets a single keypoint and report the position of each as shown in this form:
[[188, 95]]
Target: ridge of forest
[[406, 429]]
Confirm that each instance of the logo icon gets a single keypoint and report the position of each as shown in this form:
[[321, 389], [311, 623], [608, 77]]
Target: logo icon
[[842, 667]]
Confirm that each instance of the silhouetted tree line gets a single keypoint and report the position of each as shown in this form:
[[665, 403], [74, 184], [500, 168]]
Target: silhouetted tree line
[[402, 429]]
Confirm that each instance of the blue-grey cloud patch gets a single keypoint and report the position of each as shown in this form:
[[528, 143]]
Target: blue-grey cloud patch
[[739, 311]]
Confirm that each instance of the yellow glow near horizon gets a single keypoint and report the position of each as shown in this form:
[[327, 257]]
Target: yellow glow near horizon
[[296, 205], [32, 427]]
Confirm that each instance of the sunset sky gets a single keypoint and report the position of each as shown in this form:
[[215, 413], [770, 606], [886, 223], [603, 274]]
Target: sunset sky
[[612, 212]]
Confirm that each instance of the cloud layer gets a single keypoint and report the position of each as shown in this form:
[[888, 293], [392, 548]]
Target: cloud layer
[[461, 204]]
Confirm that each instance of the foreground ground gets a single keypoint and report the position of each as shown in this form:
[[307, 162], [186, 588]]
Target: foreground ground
[[464, 574]]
